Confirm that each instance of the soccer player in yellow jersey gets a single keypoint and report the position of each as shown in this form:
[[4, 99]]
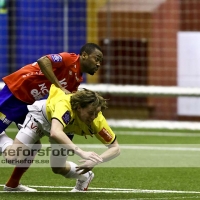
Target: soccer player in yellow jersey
[[59, 117]]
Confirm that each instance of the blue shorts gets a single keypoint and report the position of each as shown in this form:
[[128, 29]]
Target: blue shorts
[[11, 109]]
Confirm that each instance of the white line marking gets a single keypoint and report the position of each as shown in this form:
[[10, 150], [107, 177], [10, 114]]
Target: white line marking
[[146, 133], [107, 191], [149, 133], [148, 198], [166, 198], [164, 147], [157, 147], [114, 190]]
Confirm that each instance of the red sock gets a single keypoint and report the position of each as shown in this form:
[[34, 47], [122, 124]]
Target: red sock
[[16, 176], [21, 169]]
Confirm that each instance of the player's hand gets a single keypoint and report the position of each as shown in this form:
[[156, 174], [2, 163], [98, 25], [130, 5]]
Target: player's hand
[[86, 166], [94, 157]]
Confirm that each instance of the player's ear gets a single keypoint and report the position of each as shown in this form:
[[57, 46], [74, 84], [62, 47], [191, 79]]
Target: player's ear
[[84, 55]]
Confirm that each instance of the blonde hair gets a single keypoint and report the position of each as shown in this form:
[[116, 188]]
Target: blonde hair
[[85, 97]]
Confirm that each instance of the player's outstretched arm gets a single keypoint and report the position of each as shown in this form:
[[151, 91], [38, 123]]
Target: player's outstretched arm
[[112, 152], [87, 165], [47, 69], [60, 137]]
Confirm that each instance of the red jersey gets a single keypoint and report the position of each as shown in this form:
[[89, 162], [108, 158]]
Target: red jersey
[[29, 84]]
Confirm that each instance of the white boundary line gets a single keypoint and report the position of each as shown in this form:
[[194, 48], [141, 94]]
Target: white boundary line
[[159, 147], [150, 133], [112, 190], [146, 133]]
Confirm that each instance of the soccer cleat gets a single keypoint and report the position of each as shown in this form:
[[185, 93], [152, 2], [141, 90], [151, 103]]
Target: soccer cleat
[[19, 188], [82, 186]]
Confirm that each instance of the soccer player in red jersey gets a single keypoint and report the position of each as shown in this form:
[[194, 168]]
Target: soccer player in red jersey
[[32, 82]]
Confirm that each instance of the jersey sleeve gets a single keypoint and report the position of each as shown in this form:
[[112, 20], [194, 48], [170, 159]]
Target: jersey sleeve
[[62, 113], [58, 60], [104, 132]]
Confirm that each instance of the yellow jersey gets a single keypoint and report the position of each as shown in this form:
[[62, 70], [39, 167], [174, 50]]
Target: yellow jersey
[[58, 107]]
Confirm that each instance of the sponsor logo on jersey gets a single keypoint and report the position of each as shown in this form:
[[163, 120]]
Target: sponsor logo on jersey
[[39, 94], [66, 117], [63, 82], [34, 126], [32, 74], [56, 58], [77, 79], [40, 132], [105, 135], [43, 90]]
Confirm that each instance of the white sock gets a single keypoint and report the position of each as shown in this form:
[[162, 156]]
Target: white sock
[[73, 174], [5, 141]]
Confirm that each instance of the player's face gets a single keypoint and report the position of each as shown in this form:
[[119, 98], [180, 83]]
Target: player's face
[[91, 63], [88, 114]]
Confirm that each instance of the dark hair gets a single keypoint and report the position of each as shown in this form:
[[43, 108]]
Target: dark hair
[[89, 48], [85, 97]]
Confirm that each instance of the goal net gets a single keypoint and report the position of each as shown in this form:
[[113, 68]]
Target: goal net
[[151, 64]]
